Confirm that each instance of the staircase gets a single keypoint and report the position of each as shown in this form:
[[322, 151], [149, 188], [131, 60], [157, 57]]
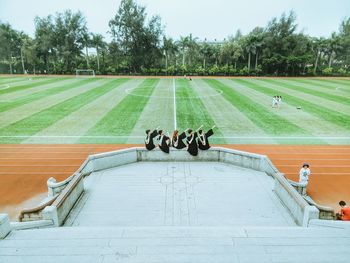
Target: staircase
[[176, 244]]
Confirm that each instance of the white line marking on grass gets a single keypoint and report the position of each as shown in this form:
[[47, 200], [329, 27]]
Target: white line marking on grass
[[3, 87], [174, 91], [129, 91]]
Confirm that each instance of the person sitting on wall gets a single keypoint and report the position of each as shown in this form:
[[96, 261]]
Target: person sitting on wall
[[164, 142], [203, 142], [177, 140], [344, 213], [192, 146], [149, 144], [304, 174]]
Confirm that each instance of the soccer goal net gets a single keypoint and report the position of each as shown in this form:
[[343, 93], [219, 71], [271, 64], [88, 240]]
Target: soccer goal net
[[84, 73]]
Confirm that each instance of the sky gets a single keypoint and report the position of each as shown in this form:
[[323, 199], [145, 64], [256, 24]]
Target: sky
[[210, 19]]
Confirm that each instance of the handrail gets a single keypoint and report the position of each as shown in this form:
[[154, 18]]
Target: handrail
[[51, 182], [69, 188], [300, 187], [320, 207], [37, 209]]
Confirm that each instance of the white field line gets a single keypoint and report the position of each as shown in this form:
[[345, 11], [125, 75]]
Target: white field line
[[174, 91], [129, 91], [219, 137], [2, 87]]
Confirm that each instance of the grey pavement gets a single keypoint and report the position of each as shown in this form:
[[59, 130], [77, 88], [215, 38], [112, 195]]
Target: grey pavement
[[179, 194]]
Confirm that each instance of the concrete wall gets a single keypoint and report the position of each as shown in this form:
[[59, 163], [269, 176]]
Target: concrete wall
[[60, 209], [5, 227], [298, 207], [108, 160]]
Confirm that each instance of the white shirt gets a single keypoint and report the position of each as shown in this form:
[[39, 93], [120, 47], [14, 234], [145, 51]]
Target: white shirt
[[304, 175]]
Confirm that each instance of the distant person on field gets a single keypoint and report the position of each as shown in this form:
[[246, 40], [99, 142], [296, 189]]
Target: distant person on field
[[274, 102], [279, 101], [177, 140], [164, 142], [203, 142], [149, 144], [344, 213], [304, 174]]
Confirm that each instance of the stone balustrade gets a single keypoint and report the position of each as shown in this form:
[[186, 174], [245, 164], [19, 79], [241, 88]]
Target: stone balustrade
[[71, 189], [5, 227], [299, 187], [326, 212], [55, 187], [35, 213]]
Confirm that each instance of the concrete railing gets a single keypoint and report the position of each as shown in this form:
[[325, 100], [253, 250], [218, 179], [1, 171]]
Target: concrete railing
[[55, 187], [35, 213], [109, 160], [60, 208], [300, 187], [298, 207], [68, 196], [5, 226], [326, 212]]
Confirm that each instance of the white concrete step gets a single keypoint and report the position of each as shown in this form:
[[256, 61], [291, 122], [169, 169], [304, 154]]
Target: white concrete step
[[176, 244]]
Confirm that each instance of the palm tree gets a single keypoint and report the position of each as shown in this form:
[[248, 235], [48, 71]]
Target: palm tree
[[192, 48], [320, 45], [97, 42], [183, 44], [30, 52], [257, 38], [86, 42], [9, 42], [169, 48], [249, 48], [333, 47], [206, 52]]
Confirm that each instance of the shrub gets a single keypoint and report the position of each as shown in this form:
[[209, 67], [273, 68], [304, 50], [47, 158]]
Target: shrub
[[327, 71]]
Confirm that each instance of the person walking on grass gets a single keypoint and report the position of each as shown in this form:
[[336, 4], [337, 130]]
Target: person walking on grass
[[274, 102], [279, 101], [344, 213], [304, 174]]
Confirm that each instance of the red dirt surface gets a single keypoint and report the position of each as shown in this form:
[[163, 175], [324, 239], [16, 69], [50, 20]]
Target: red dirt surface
[[24, 169]]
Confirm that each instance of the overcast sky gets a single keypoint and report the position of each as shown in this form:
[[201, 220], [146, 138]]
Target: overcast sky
[[211, 19]]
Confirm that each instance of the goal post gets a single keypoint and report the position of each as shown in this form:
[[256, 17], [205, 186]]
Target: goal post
[[84, 73]]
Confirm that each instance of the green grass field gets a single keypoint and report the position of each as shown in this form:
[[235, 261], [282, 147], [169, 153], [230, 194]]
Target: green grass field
[[118, 110]]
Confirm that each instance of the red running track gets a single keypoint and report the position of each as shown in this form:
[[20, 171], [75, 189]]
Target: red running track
[[24, 169]]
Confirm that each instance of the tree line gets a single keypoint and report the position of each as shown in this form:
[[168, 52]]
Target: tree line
[[62, 42]]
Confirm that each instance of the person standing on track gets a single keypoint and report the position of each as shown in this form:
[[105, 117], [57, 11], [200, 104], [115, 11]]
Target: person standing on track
[[304, 174], [177, 140], [203, 142]]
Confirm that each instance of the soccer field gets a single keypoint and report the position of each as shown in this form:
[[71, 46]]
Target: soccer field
[[119, 110]]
